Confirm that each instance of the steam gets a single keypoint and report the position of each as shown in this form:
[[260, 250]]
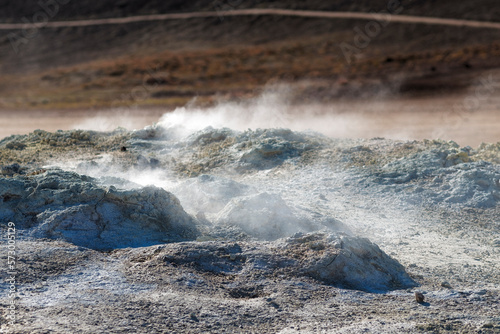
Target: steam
[[110, 174], [105, 123], [392, 118], [119, 118], [272, 109]]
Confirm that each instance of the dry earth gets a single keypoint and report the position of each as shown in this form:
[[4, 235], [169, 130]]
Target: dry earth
[[431, 205]]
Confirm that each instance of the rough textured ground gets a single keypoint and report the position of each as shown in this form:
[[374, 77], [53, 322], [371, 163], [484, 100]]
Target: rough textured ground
[[432, 206]]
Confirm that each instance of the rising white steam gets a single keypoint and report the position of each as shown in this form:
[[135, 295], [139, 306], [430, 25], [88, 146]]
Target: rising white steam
[[270, 110]]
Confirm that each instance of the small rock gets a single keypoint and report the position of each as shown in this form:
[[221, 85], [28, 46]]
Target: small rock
[[481, 292], [419, 297], [194, 317], [274, 304], [154, 162], [446, 285]]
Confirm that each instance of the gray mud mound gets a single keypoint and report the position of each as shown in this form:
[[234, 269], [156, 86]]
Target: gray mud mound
[[264, 216], [332, 259], [350, 262], [211, 149], [72, 207], [472, 184], [445, 176], [264, 149]]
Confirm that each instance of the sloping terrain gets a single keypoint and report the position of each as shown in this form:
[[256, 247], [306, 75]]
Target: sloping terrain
[[169, 62], [479, 10]]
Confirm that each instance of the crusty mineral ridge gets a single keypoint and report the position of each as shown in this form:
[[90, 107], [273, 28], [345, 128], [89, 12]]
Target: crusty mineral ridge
[[330, 258], [72, 207]]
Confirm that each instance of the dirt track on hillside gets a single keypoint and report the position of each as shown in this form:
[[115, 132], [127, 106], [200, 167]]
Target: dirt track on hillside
[[384, 17]]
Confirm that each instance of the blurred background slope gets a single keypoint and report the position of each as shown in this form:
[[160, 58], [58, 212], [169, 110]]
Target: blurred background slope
[[167, 63]]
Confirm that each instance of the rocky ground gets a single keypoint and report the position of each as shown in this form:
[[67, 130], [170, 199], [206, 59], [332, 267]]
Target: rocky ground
[[169, 229]]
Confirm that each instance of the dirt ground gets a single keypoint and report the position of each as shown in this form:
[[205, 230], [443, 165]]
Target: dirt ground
[[388, 191]]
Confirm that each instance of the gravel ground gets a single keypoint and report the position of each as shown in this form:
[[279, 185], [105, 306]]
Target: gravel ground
[[430, 205]]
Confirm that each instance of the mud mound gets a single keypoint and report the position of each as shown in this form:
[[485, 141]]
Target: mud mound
[[268, 148], [348, 261], [72, 207], [471, 184], [211, 149], [421, 164], [333, 259], [446, 175]]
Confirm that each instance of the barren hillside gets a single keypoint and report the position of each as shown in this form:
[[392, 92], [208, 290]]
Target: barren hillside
[[96, 66]]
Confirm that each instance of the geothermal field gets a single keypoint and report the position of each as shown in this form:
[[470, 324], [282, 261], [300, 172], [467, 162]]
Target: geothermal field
[[250, 167], [215, 230]]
